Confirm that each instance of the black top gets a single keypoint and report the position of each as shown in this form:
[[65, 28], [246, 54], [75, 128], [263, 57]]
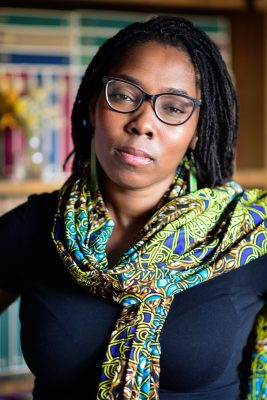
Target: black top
[[65, 330]]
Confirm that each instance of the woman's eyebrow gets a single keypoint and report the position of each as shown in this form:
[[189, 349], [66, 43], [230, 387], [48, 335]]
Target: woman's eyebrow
[[139, 83], [130, 79], [175, 91]]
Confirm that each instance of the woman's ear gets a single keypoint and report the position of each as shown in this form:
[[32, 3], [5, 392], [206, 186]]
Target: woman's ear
[[193, 143]]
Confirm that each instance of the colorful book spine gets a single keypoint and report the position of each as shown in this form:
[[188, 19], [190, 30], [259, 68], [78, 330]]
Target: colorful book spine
[[4, 342], [40, 152], [44, 59], [34, 19], [11, 358], [35, 64]]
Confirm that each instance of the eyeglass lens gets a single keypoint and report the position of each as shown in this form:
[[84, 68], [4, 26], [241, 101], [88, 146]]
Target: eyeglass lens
[[170, 108]]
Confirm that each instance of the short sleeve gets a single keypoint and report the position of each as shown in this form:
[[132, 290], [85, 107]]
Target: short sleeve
[[18, 230]]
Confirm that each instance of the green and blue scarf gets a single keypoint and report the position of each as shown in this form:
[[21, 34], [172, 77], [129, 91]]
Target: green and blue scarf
[[191, 238]]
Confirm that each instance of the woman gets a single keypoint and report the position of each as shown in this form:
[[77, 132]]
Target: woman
[[155, 215]]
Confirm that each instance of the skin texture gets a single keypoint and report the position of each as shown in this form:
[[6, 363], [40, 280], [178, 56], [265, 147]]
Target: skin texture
[[128, 176]]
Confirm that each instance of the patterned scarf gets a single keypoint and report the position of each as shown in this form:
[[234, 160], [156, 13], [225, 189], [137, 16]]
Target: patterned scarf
[[192, 237]]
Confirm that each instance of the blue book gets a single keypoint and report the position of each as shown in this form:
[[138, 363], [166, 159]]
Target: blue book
[[44, 59], [33, 19], [4, 341]]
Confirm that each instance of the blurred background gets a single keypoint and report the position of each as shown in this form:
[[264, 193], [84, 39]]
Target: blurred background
[[43, 54]]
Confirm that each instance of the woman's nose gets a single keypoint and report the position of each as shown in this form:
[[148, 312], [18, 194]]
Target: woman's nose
[[143, 121]]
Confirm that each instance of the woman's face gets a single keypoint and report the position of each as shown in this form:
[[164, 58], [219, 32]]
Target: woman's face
[[136, 150]]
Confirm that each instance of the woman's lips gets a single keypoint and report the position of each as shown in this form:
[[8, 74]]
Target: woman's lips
[[133, 156]]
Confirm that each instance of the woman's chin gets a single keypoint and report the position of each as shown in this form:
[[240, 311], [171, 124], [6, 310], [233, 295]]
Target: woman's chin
[[128, 180]]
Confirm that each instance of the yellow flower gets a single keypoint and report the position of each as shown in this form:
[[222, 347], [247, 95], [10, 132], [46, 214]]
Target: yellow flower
[[9, 117]]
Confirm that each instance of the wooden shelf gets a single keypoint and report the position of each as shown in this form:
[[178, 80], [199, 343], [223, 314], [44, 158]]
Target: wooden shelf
[[186, 4], [206, 4], [24, 188], [246, 177], [18, 383]]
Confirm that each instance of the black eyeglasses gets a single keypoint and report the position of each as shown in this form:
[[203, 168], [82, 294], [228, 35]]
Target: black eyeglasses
[[125, 97]]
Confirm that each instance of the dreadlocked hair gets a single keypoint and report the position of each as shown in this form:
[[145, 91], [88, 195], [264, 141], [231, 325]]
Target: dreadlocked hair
[[218, 120]]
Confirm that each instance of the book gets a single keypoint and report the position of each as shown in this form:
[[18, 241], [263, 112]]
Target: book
[[34, 18], [11, 358]]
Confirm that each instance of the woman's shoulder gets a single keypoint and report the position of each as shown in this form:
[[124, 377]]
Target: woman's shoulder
[[260, 262], [39, 209], [45, 202], [251, 275], [22, 230]]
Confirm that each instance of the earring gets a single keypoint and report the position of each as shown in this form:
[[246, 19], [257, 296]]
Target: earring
[[192, 174], [93, 167]]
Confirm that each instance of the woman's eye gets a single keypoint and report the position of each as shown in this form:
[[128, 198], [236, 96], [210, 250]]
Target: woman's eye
[[120, 96], [171, 109]]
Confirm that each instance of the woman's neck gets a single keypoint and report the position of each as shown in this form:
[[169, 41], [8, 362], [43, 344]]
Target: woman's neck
[[130, 207]]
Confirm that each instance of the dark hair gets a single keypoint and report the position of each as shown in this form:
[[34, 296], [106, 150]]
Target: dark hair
[[218, 120]]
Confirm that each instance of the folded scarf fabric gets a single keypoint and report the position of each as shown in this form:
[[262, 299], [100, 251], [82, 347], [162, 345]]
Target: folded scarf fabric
[[192, 237]]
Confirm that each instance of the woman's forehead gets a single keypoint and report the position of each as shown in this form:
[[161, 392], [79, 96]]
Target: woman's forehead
[[157, 67]]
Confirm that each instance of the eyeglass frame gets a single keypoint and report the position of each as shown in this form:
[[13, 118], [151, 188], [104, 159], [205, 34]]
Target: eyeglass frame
[[152, 98]]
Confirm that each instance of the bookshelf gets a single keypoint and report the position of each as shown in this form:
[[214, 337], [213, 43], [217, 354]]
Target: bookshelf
[[12, 188], [72, 37], [80, 41], [45, 76]]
